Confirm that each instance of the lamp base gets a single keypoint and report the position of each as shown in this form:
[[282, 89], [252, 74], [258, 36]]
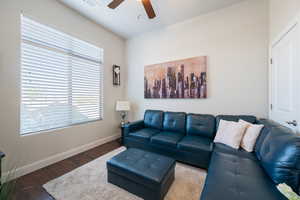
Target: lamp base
[[123, 116], [123, 123]]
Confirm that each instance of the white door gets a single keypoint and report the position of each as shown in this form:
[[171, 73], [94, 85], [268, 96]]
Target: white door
[[285, 82]]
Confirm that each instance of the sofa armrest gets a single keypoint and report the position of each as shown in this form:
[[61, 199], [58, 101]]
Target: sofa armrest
[[133, 126]]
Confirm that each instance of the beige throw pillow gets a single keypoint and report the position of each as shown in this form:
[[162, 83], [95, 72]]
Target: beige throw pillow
[[230, 133], [250, 136]]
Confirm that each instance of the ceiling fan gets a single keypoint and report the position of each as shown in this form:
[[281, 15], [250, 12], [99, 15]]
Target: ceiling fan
[[147, 5]]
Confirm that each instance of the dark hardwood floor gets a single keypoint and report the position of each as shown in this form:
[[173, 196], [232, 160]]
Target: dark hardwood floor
[[30, 186]]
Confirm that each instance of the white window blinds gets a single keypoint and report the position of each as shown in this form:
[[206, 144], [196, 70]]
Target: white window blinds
[[61, 79]]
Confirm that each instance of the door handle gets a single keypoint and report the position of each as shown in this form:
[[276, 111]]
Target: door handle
[[294, 123]]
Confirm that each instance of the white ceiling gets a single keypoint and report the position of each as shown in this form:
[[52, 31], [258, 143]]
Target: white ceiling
[[130, 19]]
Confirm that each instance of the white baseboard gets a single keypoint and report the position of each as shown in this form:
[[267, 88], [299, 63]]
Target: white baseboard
[[58, 157]]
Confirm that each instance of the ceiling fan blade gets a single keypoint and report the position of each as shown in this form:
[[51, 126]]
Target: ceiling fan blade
[[149, 9], [115, 3]]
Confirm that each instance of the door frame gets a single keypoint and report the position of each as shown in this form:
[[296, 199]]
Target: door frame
[[277, 39]]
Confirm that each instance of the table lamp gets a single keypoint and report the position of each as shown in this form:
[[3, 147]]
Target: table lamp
[[123, 107]]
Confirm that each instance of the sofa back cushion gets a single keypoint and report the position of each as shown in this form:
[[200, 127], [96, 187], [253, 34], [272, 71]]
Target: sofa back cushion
[[248, 118], [201, 125], [174, 121], [280, 157], [268, 125], [153, 119]]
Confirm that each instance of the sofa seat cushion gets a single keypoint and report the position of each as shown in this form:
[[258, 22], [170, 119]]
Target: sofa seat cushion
[[144, 134], [233, 177], [237, 152], [196, 144], [167, 138]]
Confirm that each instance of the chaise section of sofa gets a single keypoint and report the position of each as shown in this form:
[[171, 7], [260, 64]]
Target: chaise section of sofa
[[233, 177]]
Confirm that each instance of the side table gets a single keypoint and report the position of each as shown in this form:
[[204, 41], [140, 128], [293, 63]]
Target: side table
[[122, 132]]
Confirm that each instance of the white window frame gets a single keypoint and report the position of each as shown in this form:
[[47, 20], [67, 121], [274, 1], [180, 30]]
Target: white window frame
[[71, 54]]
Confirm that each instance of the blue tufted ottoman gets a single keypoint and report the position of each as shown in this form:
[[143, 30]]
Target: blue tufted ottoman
[[147, 175]]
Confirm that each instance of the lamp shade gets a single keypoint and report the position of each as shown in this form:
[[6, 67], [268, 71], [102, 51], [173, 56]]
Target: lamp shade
[[123, 106]]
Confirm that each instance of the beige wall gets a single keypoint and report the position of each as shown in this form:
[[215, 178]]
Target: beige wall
[[235, 39], [281, 13], [28, 149]]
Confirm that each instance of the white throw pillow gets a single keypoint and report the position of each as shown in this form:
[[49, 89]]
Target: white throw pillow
[[250, 136], [221, 129], [230, 133]]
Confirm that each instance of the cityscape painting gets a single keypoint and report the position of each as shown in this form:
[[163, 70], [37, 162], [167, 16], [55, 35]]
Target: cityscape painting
[[183, 79]]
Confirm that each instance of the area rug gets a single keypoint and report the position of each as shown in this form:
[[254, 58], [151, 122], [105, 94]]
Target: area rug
[[89, 182]]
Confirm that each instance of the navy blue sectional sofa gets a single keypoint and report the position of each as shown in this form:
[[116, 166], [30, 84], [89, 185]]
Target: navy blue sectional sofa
[[232, 174]]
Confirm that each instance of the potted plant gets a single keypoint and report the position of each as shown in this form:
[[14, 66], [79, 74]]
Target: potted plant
[[7, 186], [7, 190]]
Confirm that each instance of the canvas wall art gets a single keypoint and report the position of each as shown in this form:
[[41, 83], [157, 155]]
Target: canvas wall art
[[183, 79]]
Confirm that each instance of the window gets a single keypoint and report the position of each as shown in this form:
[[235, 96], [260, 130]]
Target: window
[[61, 79]]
